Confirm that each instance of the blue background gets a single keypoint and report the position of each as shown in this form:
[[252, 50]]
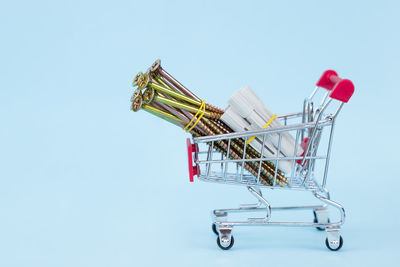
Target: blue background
[[86, 182]]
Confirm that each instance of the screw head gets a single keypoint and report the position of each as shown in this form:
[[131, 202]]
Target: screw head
[[137, 103], [155, 65], [135, 94], [148, 95], [143, 80], [136, 79]]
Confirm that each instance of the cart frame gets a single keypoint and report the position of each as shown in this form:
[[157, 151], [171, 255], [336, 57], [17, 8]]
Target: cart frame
[[303, 174]]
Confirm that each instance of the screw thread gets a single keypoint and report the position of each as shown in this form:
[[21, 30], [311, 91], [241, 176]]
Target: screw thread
[[222, 147], [214, 109], [224, 126], [267, 167], [220, 127], [161, 80], [215, 116], [247, 165], [239, 155], [238, 144], [172, 93]]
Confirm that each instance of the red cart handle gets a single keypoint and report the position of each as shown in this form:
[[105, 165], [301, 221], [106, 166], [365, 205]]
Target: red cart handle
[[192, 148], [342, 89]]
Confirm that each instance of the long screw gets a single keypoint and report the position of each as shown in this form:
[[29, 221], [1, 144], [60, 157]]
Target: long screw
[[267, 170], [222, 147], [208, 106], [182, 114], [136, 79], [166, 84], [214, 126], [267, 165], [180, 120], [176, 95], [159, 112], [166, 107], [163, 82], [173, 94], [240, 151], [187, 107], [137, 102], [156, 67], [148, 97]]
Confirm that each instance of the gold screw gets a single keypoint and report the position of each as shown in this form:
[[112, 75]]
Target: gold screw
[[155, 65], [137, 103], [143, 80], [148, 95], [135, 94], [135, 80], [238, 145]]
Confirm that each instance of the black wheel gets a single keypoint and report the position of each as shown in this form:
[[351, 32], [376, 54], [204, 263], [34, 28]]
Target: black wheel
[[214, 229], [316, 221], [228, 247], [334, 249]]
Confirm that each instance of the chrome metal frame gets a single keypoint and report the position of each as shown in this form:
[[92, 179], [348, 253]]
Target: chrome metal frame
[[314, 121]]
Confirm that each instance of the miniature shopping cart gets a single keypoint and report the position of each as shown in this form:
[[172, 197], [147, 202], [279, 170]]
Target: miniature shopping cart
[[313, 131]]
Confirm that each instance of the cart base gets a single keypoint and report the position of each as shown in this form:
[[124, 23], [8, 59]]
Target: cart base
[[223, 228]]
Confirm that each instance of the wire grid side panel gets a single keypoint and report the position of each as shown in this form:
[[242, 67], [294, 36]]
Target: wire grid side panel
[[215, 166]]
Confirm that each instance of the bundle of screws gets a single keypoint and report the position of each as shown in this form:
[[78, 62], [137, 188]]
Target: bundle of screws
[[162, 95]]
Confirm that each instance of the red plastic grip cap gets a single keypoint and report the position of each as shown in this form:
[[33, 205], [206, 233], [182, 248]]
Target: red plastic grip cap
[[325, 81], [191, 148], [343, 90]]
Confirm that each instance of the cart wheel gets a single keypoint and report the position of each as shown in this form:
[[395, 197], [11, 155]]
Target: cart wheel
[[334, 249], [228, 247], [316, 221], [214, 229]]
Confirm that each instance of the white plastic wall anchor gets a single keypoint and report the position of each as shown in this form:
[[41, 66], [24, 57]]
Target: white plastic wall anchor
[[247, 112], [238, 124]]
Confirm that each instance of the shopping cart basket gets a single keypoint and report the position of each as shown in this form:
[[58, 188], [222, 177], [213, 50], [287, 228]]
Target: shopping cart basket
[[312, 127]]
